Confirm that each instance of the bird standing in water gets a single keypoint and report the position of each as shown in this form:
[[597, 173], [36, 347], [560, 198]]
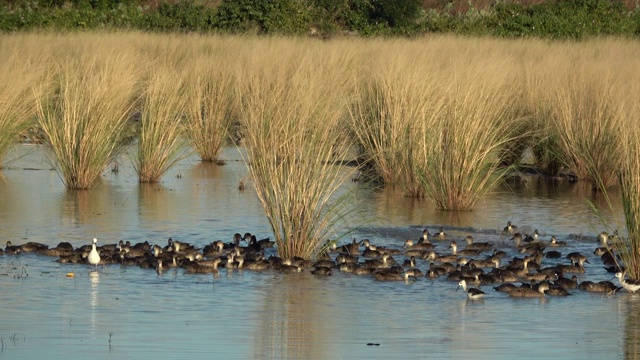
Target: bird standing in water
[[94, 256]]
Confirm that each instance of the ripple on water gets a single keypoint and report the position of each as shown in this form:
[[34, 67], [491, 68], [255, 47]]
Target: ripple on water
[[242, 314]]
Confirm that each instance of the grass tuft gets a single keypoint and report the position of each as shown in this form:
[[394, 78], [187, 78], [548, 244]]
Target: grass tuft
[[84, 113], [210, 106], [161, 142], [292, 110]]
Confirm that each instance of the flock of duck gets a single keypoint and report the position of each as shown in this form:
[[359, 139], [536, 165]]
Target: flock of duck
[[477, 264]]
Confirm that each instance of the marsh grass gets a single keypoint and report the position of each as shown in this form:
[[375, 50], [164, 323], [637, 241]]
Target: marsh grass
[[161, 139], [629, 181], [461, 146], [17, 77], [210, 109], [292, 110], [585, 113], [390, 103], [84, 113]]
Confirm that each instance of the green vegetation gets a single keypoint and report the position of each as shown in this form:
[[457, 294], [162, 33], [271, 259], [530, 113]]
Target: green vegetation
[[575, 19]]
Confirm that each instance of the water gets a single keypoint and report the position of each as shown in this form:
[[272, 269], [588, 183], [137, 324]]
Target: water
[[128, 312]]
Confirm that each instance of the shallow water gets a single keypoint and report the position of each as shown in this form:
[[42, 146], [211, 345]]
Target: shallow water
[[128, 312]]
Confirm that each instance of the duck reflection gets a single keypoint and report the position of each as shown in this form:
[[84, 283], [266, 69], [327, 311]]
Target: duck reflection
[[632, 328], [294, 324]]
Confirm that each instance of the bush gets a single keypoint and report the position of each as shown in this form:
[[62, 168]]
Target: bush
[[567, 19], [263, 17]]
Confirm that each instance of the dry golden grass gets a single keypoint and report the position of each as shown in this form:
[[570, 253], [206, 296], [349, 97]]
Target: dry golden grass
[[629, 174], [434, 119], [161, 142], [210, 108], [462, 145], [392, 98], [16, 98], [84, 113], [292, 109], [586, 112], [433, 116]]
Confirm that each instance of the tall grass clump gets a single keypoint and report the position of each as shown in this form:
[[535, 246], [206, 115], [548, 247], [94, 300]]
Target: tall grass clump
[[629, 179], [391, 100], [17, 77], [461, 145], [161, 140], [210, 107], [85, 112], [585, 112], [292, 106]]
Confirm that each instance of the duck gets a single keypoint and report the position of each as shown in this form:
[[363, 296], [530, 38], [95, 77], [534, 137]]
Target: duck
[[391, 276], [484, 246], [510, 228], [32, 247], [259, 265], [555, 243], [440, 235], [630, 285], [360, 270], [370, 251], [11, 249], [555, 290], [532, 238], [552, 254], [490, 262], [527, 292], [606, 287], [466, 252], [347, 267], [505, 288], [265, 243], [325, 263], [94, 256], [606, 256], [322, 271], [577, 268], [410, 245], [575, 257], [603, 238], [384, 262], [351, 249], [472, 293], [410, 262], [568, 284], [346, 258]]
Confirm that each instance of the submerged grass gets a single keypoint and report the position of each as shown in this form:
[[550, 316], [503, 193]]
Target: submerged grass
[[161, 140], [84, 113], [292, 110]]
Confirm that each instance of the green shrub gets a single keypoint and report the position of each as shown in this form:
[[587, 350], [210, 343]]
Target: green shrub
[[567, 19], [186, 15], [262, 16]]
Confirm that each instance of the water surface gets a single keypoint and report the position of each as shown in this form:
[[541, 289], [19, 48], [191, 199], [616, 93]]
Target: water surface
[[128, 312]]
